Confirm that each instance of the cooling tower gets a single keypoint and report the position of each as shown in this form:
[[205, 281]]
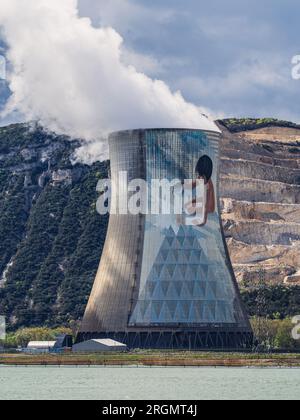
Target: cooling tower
[[165, 281]]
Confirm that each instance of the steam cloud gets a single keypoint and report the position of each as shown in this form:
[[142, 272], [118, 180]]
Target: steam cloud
[[69, 76]]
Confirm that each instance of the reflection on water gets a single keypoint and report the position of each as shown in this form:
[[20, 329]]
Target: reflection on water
[[110, 383]]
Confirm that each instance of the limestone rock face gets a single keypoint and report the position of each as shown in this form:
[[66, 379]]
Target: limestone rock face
[[260, 190], [62, 177], [291, 280]]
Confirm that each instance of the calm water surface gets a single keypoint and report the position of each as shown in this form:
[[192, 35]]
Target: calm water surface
[[98, 383]]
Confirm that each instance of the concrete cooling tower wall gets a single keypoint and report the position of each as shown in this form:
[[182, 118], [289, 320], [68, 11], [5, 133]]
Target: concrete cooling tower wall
[[165, 281]]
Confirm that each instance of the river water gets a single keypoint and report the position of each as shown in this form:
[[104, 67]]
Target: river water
[[131, 383]]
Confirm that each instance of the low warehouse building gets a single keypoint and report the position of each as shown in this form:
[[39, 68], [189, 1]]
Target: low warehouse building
[[40, 346], [99, 346], [63, 342]]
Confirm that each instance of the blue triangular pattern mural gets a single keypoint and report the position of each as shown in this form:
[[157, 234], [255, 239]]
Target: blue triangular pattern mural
[[183, 286]]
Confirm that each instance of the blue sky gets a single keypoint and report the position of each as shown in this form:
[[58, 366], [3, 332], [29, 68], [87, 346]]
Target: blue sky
[[233, 57]]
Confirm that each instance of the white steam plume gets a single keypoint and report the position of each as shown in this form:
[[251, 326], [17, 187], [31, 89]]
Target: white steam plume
[[69, 76]]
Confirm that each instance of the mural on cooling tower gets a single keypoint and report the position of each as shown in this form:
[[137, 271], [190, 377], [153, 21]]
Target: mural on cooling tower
[[184, 277]]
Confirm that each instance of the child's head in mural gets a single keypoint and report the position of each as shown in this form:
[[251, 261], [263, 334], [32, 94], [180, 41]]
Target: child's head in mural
[[204, 171]]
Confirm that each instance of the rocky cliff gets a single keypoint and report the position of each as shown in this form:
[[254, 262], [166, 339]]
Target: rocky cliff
[[260, 189]]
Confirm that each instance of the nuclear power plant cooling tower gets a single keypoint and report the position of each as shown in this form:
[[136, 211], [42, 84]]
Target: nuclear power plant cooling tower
[[165, 281]]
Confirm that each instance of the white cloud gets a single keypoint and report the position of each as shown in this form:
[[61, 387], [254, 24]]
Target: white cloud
[[70, 76], [143, 63]]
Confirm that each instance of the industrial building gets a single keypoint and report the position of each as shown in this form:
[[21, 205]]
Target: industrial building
[[62, 342], [166, 282], [99, 346], [40, 347]]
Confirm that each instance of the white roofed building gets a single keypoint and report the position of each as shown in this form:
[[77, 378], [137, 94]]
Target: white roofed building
[[40, 346], [99, 346]]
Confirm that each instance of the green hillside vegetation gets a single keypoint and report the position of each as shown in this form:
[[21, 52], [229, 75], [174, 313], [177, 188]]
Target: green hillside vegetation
[[22, 337], [53, 235], [243, 124], [57, 257], [275, 302]]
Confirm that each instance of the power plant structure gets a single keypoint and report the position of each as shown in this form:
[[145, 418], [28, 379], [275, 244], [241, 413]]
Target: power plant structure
[[165, 281]]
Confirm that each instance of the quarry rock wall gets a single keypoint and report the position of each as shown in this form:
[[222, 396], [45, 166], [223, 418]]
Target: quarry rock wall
[[260, 190]]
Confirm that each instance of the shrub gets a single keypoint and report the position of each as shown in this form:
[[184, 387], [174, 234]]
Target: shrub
[[23, 336]]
